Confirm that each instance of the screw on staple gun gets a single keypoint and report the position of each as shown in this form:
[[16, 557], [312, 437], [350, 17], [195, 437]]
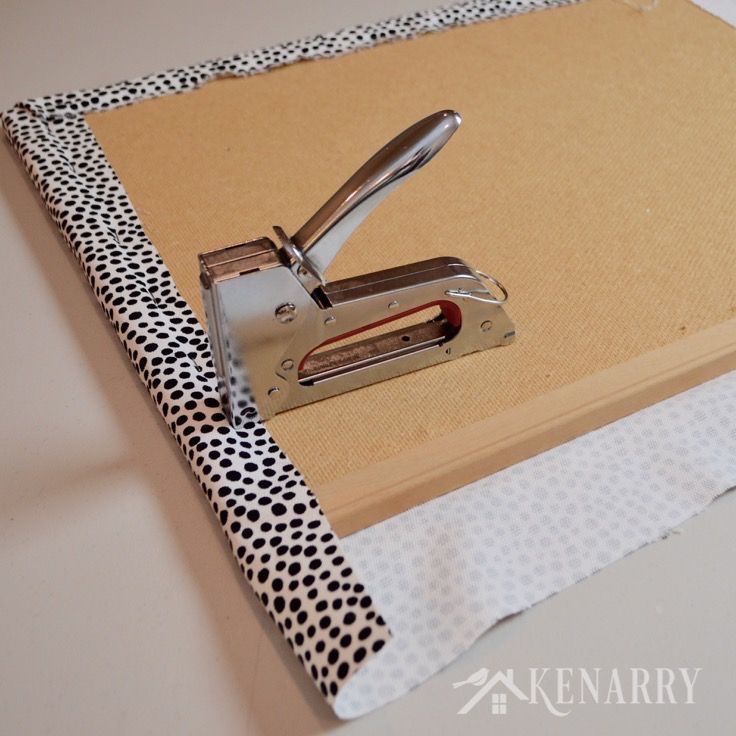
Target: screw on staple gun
[[275, 322]]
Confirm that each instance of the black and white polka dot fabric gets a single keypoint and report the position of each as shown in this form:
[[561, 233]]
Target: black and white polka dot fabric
[[283, 544]]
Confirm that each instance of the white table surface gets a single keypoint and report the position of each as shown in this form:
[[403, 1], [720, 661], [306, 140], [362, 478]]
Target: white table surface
[[121, 610]]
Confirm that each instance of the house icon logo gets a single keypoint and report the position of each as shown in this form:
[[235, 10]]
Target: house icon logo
[[499, 687]]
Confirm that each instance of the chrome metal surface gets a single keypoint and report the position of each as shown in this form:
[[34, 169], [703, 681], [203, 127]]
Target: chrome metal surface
[[282, 336], [322, 236], [285, 313], [482, 295]]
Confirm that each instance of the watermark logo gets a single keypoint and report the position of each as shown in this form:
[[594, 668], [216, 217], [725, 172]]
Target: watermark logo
[[559, 689]]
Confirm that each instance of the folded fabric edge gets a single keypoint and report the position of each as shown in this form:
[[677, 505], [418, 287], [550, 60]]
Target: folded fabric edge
[[284, 545], [320, 46]]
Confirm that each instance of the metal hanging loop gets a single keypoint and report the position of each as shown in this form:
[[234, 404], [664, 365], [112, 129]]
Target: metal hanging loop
[[481, 296]]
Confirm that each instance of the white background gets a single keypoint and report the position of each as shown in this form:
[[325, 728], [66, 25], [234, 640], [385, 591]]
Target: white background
[[121, 610]]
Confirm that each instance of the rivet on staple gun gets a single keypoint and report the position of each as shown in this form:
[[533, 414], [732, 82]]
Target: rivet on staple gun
[[271, 313]]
